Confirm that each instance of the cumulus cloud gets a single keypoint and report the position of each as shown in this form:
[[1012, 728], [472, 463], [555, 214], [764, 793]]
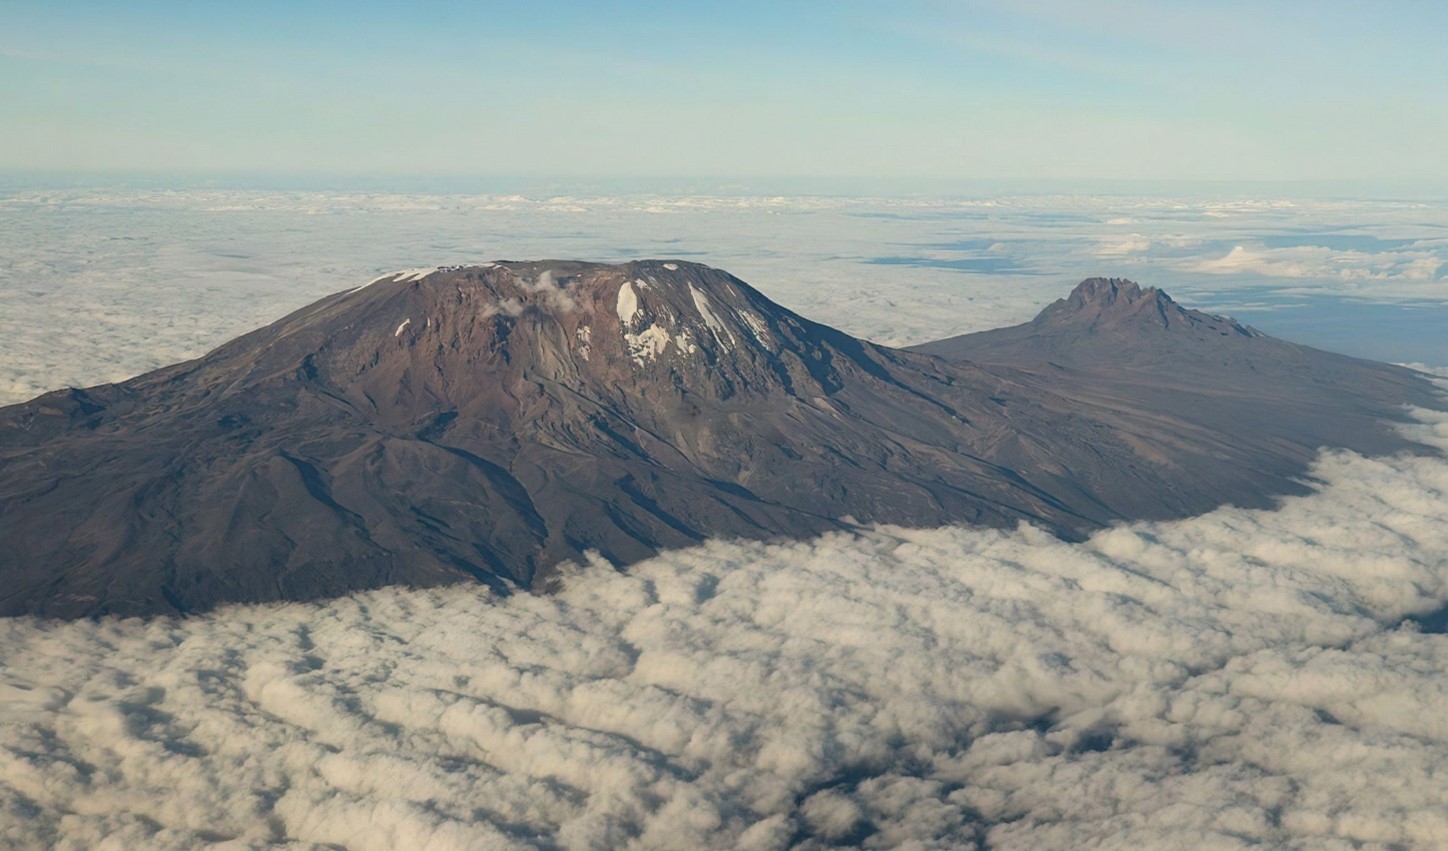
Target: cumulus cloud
[[554, 296], [1311, 261], [1122, 246], [1242, 677]]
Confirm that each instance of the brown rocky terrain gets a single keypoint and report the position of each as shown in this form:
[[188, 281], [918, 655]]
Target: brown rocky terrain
[[1260, 400], [487, 423]]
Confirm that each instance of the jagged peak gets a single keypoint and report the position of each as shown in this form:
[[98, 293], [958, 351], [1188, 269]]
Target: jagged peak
[[1108, 292], [1106, 298], [1119, 302]]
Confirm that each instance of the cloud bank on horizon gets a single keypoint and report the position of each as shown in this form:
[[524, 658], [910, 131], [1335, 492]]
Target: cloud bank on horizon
[[1237, 679], [153, 277]]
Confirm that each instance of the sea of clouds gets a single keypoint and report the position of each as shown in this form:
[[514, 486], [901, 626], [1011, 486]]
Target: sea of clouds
[[1242, 678], [99, 285], [1245, 678]]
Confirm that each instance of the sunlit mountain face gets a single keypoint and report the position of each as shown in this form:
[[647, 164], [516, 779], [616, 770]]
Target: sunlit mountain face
[[1251, 675]]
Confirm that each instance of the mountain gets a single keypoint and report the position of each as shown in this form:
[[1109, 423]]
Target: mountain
[[1110, 321], [487, 423], [1112, 342]]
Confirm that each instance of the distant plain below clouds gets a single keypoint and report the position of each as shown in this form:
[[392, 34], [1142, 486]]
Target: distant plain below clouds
[[139, 278], [1245, 678]]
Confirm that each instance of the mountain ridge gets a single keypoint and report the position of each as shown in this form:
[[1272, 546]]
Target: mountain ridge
[[489, 422], [1120, 299]]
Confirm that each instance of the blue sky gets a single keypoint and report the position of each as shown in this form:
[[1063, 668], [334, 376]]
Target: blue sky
[[913, 89]]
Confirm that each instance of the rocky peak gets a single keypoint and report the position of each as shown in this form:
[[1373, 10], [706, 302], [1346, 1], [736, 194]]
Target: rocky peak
[[1123, 304], [1115, 297], [644, 313], [1107, 292], [507, 339]]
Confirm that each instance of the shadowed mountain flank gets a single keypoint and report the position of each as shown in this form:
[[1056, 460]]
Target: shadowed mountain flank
[[1112, 343], [487, 423]]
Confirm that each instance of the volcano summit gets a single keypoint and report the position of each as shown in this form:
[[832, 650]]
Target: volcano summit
[[488, 423]]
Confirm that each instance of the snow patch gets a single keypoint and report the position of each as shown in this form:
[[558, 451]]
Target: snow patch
[[584, 335], [672, 267], [387, 277], [628, 304], [409, 275], [646, 345], [758, 327], [405, 323], [701, 303]]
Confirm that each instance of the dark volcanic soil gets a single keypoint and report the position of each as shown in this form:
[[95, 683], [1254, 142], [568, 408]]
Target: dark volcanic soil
[[486, 423]]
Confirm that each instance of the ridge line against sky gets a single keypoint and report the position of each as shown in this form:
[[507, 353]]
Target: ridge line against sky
[[1116, 89]]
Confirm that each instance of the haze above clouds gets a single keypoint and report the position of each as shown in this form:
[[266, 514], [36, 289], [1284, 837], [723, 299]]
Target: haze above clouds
[[1113, 89]]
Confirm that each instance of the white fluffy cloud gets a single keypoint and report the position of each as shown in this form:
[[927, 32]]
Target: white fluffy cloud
[[1317, 262], [1123, 245], [1246, 677]]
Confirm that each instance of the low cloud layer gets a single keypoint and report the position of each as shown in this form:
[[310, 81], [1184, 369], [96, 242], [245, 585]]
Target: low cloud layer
[[1242, 678], [1321, 263], [130, 280]]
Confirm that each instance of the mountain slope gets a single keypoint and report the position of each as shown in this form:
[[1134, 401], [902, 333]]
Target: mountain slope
[[486, 423], [1112, 343]]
